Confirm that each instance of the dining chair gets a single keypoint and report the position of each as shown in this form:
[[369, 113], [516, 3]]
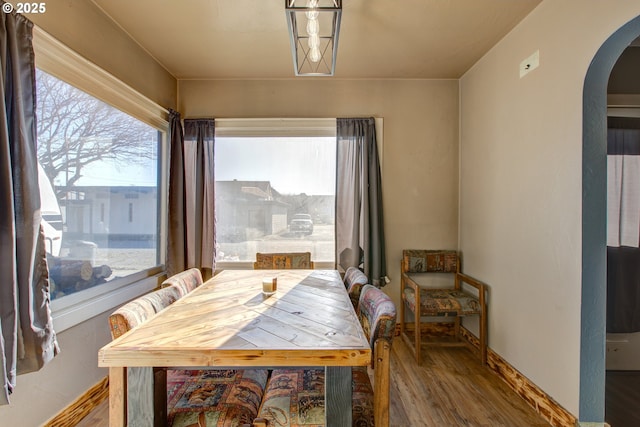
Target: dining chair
[[194, 397], [354, 280], [185, 281], [447, 294], [140, 309], [283, 260], [295, 396]]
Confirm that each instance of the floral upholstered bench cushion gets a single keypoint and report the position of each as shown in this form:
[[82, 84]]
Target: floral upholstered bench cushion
[[361, 397], [142, 308], [186, 280], [208, 398], [443, 302], [354, 280], [295, 397]]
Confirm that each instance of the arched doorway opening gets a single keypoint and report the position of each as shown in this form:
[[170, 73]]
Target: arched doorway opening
[[594, 201]]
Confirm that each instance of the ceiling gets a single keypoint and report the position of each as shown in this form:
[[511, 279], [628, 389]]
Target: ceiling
[[248, 39]]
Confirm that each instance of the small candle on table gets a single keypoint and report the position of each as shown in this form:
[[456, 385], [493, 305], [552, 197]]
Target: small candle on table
[[269, 285]]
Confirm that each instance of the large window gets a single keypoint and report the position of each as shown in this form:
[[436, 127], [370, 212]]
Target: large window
[[99, 188], [275, 190], [102, 174]]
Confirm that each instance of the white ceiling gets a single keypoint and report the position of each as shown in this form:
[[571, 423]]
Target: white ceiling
[[210, 39]]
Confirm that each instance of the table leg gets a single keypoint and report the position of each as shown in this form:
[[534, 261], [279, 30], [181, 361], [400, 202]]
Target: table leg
[[337, 396], [140, 397], [160, 396], [117, 397]]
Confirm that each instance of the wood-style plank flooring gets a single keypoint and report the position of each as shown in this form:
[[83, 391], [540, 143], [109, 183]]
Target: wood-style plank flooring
[[622, 398], [450, 389]]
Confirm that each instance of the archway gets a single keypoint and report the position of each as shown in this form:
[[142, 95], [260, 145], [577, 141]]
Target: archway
[[594, 198]]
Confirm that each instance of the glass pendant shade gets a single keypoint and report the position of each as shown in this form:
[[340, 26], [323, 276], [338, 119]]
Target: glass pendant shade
[[314, 26]]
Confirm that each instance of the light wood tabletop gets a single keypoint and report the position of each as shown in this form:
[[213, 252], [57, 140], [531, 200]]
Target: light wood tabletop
[[229, 322]]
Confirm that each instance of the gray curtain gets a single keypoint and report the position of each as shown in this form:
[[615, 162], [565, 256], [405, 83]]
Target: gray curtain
[[623, 253], [359, 220], [28, 340], [191, 197], [177, 238]]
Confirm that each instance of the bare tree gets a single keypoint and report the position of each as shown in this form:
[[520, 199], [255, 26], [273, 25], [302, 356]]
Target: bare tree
[[76, 129]]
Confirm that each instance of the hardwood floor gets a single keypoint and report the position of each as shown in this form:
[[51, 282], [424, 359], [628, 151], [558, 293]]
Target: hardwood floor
[[621, 398], [450, 389], [99, 417]]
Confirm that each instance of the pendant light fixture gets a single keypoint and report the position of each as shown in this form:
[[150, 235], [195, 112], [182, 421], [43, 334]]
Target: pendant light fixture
[[314, 26]]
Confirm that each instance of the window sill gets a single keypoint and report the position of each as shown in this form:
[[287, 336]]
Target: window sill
[[248, 265], [76, 308]]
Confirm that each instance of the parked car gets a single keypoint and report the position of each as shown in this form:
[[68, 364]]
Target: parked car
[[301, 224], [52, 224]]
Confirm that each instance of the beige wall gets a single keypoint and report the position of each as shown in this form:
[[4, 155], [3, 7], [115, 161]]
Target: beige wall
[[41, 395], [520, 180], [80, 25], [420, 153]]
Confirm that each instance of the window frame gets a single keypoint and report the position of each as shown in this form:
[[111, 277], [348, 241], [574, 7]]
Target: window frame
[[56, 59]]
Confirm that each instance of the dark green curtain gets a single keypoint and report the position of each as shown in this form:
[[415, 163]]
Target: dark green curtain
[[359, 220], [28, 339]]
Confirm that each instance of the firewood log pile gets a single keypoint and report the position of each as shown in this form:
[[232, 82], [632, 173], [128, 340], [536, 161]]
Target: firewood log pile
[[72, 275]]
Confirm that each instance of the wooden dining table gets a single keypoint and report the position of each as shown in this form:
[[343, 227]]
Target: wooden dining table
[[228, 322]]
